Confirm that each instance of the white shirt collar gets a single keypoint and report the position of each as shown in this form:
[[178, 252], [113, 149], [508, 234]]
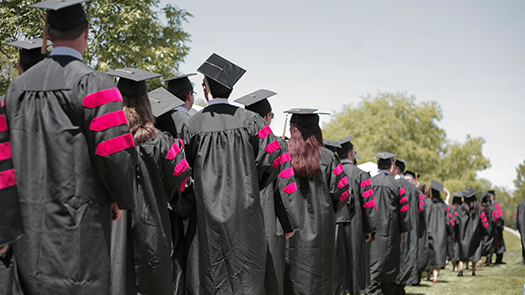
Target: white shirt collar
[[182, 109], [63, 50], [347, 161], [218, 101]]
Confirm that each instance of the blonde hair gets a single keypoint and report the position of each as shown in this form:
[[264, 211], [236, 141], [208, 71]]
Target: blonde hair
[[140, 117]]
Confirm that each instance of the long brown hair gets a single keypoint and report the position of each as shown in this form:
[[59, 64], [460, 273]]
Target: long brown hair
[[304, 148], [140, 117]]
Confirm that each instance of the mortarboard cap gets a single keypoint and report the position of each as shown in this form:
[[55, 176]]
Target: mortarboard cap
[[64, 14], [436, 186], [358, 156], [162, 101], [257, 101], [305, 117], [30, 52], [346, 145], [132, 81], [180, 85], [469, 192], [485, 196], [457, 194], [221, 70], [331, 145], [384, 155]]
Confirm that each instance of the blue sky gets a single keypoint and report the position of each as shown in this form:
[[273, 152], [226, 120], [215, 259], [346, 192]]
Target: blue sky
[[467, 55]]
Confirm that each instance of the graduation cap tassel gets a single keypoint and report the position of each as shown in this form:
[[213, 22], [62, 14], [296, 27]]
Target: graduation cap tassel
[[208, 90], [285, 121], [44, 37]]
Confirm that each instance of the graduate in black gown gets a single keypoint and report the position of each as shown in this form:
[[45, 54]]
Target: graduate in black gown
[[438, 227], [10, 216], [453, 247], [422, 233], [394, 219], [488, 243], [324, 190], [364, 223], [499, 242], [141, 239], [408, 259], [280, 222], [233, 154], [472, 224], [172, 121], [520, 226], [75, 159]]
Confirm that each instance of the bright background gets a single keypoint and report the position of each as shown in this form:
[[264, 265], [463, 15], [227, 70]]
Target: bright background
[[467, 55]]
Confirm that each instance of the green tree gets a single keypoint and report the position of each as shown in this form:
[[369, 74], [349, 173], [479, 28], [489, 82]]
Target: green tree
[[123, 33], [394, 122]]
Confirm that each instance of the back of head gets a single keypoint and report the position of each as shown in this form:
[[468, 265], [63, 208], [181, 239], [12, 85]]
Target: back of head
[[140, 118], [304, 146], [218, 90], [67, 23]]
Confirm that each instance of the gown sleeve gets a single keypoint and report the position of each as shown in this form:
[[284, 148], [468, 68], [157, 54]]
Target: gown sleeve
[[10, 215], [286, 197], [338, 184], [111, 145], [404, 208], [175, 172], [369, 203]]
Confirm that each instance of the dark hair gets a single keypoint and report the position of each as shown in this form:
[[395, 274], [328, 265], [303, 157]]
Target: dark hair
[[71, 34], [140, 117], [470, 206], [304, 146], [184, 94], [344, 155], [384, 164], [218, 90], [435, 195]]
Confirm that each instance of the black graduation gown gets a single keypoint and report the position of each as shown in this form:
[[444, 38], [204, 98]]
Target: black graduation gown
[[520, 226], [364, 221], [172, 122], [311, 251], [422, 253], [233, 154], [471, 228], [409, 246], [438, 228], [499, 242], [162, 172], [487, 247], [10, 216], [393, 218], [279, 220], [74, 155], [453, 246]]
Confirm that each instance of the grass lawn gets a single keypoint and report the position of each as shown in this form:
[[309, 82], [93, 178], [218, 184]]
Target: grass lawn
[[497, 279]]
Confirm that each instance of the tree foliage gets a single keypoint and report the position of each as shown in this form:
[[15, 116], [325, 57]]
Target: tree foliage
[[396, 123], [123, 33]]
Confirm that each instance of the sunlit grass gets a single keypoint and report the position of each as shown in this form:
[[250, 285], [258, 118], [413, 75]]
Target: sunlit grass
[[496, 279]]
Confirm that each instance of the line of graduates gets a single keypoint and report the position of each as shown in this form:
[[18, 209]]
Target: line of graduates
[[111, 189]]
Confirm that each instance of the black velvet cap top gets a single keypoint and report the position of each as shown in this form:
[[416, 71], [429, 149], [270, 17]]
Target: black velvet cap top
[[180, 85], [257, 101], [132, 81], [221, 70], [436, 185], [162, 101], [305, 117], [30, 50], [469, 192], [331, 145], [346, 145], [63, 14]]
